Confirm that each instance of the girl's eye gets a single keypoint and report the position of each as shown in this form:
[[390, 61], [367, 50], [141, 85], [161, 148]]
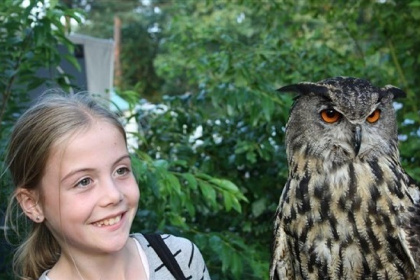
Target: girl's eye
[[122, 171], [330, 115], [374, 117], [84, 182]]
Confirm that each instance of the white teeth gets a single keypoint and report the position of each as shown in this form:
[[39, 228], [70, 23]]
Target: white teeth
[[108, 222]]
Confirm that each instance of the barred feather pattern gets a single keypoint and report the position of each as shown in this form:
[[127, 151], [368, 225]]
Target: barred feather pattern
[[345, 224], [353, 218]]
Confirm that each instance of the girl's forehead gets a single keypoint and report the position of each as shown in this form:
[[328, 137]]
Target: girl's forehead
[[86, 135], [77, 132]]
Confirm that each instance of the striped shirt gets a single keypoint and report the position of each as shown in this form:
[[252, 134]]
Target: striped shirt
[[186, 254]]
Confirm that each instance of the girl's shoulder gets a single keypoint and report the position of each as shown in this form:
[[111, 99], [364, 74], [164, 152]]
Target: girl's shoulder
[[179, 246], [44, 276], [169, 239], [185, 252]]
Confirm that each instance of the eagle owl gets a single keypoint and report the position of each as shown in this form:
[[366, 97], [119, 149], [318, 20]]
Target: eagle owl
[[348, 209]]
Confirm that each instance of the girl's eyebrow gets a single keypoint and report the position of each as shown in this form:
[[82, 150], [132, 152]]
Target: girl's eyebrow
[[71, 173]]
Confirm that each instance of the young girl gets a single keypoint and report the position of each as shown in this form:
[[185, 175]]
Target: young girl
[[69, 162]]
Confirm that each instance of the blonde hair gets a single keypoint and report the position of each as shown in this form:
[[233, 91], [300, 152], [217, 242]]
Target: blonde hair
[[51, 119]]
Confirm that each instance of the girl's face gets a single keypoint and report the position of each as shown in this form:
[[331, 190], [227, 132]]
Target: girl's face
[[89, 194]]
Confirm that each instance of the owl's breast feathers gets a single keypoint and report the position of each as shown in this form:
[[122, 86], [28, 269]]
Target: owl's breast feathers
[[360, 220]]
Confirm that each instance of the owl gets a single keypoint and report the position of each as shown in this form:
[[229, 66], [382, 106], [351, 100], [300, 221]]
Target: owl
[[348, 209]]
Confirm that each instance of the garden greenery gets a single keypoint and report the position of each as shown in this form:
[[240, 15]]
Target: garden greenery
[[210, 159]]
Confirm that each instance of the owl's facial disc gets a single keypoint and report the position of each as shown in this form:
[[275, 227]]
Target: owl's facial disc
[[341, 120]]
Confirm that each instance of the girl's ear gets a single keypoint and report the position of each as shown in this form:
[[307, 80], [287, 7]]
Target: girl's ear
[[28, 201]]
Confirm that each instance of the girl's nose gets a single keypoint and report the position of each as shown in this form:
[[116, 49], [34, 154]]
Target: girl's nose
[[110, 192]]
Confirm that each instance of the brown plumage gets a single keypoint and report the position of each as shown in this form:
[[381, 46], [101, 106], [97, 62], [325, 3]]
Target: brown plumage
[[348, 209]]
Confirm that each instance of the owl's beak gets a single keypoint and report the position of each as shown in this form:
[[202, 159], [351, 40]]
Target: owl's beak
[[357, 139]]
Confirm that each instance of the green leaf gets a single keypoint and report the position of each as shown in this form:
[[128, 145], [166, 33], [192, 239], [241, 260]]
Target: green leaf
[[225, 184], [208, 192], [415, 4], [251, 156], [53, 3], [161, 163], [177, 220], [190, 179], [259, 206], [182, 163], [236, 205], [227, 199], [203, 176], [190, 208], [173, 182]]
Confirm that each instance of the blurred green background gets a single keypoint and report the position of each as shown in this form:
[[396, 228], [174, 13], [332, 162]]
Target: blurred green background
[[210, 159]]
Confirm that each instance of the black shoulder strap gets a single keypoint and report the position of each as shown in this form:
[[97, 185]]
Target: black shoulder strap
[[168, 259]]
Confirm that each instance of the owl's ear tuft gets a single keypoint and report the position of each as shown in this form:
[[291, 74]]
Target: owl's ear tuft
[[396, 92], [305, 88]]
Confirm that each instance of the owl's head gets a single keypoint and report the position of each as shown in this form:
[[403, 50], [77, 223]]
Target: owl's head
[[342, 119]]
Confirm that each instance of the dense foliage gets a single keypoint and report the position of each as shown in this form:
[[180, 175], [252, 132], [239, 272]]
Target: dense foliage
[[211, 161], [29, 36]]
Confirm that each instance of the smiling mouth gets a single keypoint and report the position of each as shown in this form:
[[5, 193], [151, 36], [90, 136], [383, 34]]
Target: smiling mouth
[[108, 222]]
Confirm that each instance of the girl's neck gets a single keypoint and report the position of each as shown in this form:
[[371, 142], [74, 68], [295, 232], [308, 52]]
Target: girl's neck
[[125, 264]]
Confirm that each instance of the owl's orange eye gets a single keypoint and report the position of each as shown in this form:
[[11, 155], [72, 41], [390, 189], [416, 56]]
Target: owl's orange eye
[[330, 115], [374, 117]]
